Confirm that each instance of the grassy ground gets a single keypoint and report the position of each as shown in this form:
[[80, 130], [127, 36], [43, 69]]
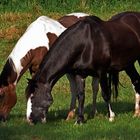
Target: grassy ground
[[12, 26]]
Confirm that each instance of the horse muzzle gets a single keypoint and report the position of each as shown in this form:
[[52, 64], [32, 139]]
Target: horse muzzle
[[33, 121]]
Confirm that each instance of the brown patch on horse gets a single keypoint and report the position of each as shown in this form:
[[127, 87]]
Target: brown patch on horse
[[52, 37], [7, 101], [33, 59], [67, 21]]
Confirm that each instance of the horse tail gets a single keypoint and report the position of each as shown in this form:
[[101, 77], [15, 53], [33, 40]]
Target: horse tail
[[114, 81]]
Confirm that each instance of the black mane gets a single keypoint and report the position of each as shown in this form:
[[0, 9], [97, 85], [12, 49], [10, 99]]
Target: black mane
[[8, 71], [31, 88]]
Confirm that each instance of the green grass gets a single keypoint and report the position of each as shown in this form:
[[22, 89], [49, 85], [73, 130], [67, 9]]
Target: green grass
[[12, 26], [99, 128]]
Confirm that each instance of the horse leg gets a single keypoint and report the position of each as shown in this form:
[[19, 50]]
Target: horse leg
[[135, 79], [81, 97], [106, 94], [73, 88], [95, 89]]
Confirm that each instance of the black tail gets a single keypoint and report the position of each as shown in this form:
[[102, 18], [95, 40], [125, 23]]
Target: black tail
[[114, 81]]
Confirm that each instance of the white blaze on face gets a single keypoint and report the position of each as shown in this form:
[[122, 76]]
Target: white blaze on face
[[29, 108]]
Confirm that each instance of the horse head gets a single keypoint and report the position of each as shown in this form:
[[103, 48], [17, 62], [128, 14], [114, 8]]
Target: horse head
[[38, 101], [8, 99], [7, 89]]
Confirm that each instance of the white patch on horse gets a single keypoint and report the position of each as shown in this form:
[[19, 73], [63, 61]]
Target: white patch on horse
[[112, 114], [78, 15], [137, 100], [29, 108], [34, 37]]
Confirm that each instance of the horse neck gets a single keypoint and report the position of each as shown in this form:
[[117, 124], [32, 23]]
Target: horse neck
[[49, 72], [60, 58]]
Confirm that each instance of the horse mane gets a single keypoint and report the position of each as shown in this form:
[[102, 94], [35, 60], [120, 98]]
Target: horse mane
[[9, 70], [30, 88], [92, 20]]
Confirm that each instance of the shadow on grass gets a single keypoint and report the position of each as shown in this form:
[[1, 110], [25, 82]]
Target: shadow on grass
[[55, 128], [117, 107], [57, 115]]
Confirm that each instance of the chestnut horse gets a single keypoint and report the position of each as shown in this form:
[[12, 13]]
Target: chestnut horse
[[28, 53], [89, 47]]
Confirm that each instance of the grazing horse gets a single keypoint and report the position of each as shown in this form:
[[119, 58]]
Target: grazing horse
[[89, 47], [28, 54]]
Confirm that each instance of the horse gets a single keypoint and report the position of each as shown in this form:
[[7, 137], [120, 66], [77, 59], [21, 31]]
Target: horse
[[28, 54], [89, 47]]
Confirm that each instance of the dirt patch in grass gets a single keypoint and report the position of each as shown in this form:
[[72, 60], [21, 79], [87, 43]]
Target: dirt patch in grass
[[13, 25], [14, 17], [11, 33], [14, 29]]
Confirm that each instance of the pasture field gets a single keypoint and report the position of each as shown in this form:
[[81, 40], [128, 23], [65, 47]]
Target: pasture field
[[12, 25]]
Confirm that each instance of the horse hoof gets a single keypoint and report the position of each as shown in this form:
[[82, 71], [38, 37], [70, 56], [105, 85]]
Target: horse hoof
[[111, 119], [78, 123], [137, 114], [71, 115]]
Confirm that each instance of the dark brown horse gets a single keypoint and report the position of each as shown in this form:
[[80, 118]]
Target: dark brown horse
[[90, 47], [28, 54]]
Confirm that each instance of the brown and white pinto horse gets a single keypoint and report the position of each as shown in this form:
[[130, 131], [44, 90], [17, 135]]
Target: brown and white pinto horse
[[91, 46], [28, 54]]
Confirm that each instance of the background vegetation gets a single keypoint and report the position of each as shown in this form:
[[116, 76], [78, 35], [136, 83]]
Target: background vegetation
[[15, 16]]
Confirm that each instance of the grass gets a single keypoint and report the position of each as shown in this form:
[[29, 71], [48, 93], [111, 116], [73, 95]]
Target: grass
[[12, 26], [99, 128]]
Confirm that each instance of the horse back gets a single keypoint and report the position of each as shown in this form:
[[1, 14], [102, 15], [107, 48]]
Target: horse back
[[94, 40], [125, 32], [130, 20]]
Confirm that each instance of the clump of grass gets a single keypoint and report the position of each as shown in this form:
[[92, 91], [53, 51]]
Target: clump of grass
[[97, 7]]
